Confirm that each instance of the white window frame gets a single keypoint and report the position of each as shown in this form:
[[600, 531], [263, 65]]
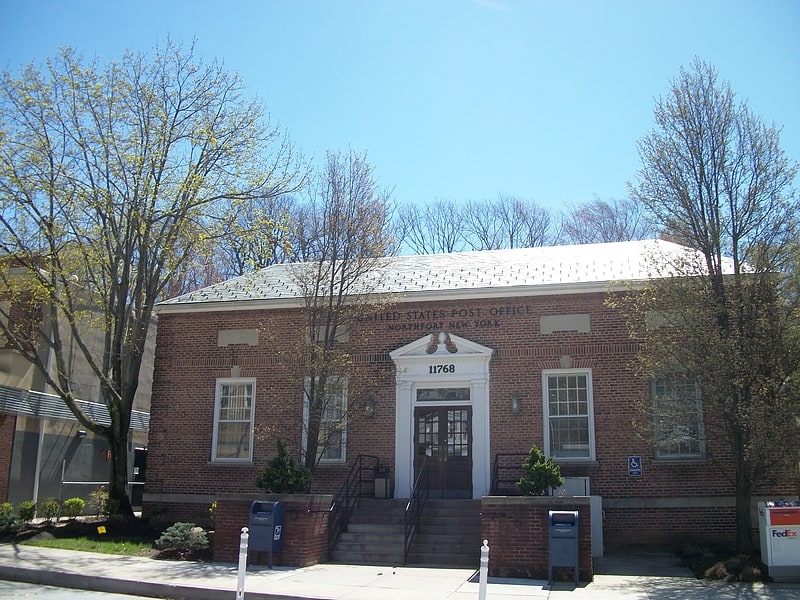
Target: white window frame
[[546, 375], [695, 439], [342, 420], [218, 421]]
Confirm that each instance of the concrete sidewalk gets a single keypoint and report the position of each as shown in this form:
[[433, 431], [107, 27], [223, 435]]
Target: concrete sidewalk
[[202, 581]]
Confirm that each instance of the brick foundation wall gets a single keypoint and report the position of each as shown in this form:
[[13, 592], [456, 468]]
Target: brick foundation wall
[[626, 524], [517, 531]]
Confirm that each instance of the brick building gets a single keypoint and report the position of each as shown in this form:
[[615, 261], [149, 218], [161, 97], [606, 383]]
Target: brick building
[[480, 356]]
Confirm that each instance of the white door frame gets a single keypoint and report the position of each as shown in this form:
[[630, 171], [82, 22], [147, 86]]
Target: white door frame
[[441, 360]]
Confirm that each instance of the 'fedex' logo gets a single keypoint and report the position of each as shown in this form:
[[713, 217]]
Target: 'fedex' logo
[[786, 533]]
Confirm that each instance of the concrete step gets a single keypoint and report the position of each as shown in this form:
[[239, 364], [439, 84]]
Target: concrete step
[[368, 546], [424, 559], [449, 534], [367, 558], [376, 528], [451, 539]]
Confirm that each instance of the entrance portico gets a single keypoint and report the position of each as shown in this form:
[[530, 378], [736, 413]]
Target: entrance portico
[[442, 415]]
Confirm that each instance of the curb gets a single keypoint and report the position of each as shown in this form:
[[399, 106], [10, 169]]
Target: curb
[[110, 585]]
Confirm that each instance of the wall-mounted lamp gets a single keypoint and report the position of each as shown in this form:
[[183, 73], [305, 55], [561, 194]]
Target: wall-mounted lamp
[[369, 407], [81, 434], [516, 404]]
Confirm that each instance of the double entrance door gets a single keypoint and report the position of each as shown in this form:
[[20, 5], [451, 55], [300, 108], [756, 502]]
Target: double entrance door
[[443, 446]]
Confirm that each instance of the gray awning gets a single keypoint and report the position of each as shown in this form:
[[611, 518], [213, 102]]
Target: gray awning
[[49, 406]]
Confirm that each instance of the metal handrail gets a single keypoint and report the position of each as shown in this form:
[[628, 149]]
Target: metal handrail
[[345, 500], [501, 471], [419, 498]]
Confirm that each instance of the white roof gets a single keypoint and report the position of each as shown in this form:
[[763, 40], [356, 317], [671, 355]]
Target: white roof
[[484, 274]]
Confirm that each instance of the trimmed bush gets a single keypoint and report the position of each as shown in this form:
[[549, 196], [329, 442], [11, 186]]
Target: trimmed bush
[[185, 538], [26, 510], [6, 509], [541, 474], [49, 509], [282, 476], [10, 524], [73, 507]]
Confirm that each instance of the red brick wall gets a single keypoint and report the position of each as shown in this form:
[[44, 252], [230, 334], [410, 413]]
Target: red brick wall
[[518, 536], [8, 425], [305, 531], [671, 527], [188, 362]]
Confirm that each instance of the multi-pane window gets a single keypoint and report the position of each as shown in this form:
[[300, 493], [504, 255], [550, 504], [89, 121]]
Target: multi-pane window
[[569, 423], [233, 420], [332, 438], [677, 416]]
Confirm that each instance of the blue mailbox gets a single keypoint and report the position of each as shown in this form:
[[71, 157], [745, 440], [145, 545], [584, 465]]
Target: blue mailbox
[[563, 538], [266, 527]]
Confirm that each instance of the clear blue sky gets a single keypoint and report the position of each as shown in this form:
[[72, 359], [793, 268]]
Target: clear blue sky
[[455, 99]]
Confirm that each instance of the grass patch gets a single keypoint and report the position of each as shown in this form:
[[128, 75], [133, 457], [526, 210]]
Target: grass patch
[[103, 546]]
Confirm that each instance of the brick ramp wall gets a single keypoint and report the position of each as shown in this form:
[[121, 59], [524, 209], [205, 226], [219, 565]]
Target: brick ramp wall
[[517, 531]]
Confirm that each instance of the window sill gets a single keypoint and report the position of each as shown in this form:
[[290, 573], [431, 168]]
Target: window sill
[[575, 461], [680, 460], [331, 463]]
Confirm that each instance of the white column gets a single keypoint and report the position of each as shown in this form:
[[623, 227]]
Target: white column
[[403, 440]]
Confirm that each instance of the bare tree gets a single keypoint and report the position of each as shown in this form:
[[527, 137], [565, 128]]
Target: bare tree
[[717, 179], [109, 177], [343, 237], [507, 222], [432, 229], [602, 221]]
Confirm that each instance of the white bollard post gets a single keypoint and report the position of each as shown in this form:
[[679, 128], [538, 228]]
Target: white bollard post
[[243, 541], [484, 570]]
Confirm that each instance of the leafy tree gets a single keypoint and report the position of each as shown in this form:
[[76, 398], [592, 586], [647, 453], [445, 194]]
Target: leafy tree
[[725, 312], [111, 179], [342, 237]]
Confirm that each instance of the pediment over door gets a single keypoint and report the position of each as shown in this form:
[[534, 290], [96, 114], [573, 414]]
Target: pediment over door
[[441, 344], [441, 348]]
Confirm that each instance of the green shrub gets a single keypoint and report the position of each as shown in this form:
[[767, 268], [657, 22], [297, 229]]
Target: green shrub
[[26, 510], [541, 474], [98, 501], [9, 523], [49, 509], [111, 506], [73, 507], [183, 537], [6, 509], [282, 476]]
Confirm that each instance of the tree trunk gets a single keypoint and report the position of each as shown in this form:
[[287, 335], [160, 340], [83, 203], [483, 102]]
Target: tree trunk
[[119, 502], [744, 519]]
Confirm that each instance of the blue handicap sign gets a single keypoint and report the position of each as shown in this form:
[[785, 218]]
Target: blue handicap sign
[[635, 466]]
